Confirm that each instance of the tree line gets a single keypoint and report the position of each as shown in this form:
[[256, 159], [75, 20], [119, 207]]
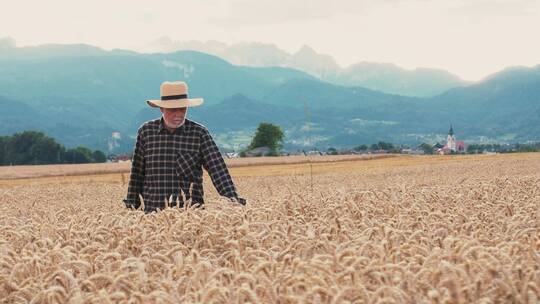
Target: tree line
[[36, 148], [431, 149], [481, 148], [501, 148]]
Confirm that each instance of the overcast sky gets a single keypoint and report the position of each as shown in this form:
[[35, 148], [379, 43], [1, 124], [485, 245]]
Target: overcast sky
[[470, 38]]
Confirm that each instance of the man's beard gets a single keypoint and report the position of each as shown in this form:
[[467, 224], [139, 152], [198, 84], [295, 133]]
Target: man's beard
[[171, 125]]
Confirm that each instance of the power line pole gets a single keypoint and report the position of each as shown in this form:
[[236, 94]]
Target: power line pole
[[308, 129]]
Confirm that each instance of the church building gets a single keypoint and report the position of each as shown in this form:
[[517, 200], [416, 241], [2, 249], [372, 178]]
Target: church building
[[452, 146]]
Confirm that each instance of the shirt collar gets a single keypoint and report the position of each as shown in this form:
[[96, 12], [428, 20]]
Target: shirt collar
[[178, 130]]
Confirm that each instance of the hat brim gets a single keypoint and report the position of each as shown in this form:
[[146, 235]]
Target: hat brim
[[175, 103]]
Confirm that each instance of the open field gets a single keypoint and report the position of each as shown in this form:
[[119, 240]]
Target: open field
[[454, 229], [21, 172]]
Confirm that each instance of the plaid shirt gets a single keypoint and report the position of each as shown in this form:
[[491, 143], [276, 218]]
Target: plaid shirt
[[166, 163]]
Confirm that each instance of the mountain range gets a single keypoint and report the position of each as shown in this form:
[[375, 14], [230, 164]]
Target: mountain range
[[384, 77], [80, 94]]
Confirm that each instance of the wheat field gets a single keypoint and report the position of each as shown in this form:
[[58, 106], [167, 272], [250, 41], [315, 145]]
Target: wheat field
[[445, 229], [64, 170]]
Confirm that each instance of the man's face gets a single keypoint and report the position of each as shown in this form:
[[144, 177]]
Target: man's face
[[174, 117]]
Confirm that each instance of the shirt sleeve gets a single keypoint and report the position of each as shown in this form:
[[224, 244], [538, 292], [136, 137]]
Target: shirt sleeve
[[137, 173], [217, 169]]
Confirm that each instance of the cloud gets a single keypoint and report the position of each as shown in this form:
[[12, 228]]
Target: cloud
[[239, 13], [185, 69], [267, 12], [468, 37], [484, 9]]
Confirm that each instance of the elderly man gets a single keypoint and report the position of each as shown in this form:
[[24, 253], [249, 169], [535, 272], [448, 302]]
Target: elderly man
[[170, 153]]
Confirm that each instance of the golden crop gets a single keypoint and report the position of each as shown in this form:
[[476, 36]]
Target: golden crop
[[397, 230]]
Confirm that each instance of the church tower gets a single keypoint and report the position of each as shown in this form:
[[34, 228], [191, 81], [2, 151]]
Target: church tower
[[451, 140]]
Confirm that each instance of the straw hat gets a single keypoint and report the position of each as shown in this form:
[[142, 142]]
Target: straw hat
[[174, 95]]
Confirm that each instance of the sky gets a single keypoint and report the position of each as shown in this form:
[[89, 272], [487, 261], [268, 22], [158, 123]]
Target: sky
[[469, 38]]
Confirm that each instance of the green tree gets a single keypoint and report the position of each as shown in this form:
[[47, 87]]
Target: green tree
[[385, 146], [473, 148], [79, 155], [267, 135], [3, 144], [332, 151], [427, 148], [361, 148], [381, 145], [19, 145], [31, 147], [46, 151], [99, 157]]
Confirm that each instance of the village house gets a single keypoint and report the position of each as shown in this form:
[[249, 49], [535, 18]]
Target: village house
[[260, 151]]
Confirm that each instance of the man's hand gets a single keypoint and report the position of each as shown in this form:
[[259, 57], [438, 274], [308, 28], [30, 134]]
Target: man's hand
[[130, 204], [239, 200]]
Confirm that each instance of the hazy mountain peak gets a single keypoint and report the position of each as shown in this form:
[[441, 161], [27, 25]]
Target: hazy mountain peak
[[7, 43], [366, 69], [308, 55], [256, 54], [237, 100], [396, 80], [319, 65], [8, 50], [512, 72], [390, 78], [306, 50], [167, 45]]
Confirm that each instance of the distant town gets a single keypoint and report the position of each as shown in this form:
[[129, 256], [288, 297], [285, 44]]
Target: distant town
[[451, 146], [36, 148]]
